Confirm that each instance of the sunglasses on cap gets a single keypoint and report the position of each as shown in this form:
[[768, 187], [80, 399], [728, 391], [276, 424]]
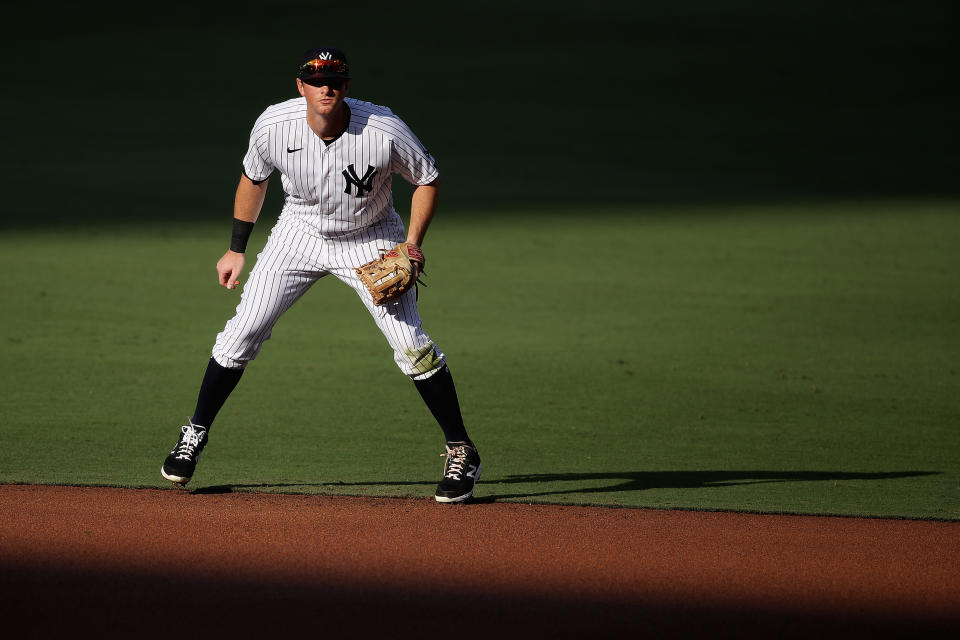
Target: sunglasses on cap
[[323, 66]]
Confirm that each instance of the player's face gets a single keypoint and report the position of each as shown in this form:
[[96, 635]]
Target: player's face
[[325, 99]]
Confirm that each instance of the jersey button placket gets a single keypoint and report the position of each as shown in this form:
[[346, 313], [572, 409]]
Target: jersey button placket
[[323, 178]]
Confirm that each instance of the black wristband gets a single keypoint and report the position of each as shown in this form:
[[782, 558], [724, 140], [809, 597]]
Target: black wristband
[[241, 233]]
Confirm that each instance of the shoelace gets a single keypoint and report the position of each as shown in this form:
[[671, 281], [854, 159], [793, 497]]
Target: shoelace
[[456, 458], [189, 441]]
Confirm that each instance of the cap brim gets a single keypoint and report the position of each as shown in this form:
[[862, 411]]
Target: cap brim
[[313, 77]]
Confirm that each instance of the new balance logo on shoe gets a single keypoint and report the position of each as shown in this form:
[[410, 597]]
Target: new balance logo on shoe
[[182, 461], [460, 472]]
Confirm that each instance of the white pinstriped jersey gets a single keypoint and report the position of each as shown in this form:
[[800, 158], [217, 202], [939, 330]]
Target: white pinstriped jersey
[[344, 187]]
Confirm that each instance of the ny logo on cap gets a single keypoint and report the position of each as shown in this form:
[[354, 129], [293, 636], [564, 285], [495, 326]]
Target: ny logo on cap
[[325, 55]]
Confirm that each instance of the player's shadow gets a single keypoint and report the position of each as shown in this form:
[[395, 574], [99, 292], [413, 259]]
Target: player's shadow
[[602, 482], [625, 482]]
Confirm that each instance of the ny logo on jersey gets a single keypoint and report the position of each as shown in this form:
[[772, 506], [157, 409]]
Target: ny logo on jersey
[[362, 184]]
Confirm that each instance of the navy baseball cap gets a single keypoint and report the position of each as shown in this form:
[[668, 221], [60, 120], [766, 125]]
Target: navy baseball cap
[[323, 62]]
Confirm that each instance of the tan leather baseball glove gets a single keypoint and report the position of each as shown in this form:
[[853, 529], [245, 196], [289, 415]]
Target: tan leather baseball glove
[[392, 274]]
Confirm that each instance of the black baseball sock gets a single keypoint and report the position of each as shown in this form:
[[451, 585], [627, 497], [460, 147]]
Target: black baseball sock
[[217, 384], [440, 395]]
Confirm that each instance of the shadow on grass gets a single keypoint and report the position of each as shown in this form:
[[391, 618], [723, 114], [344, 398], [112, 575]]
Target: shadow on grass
[[642, 480], [607, 482]]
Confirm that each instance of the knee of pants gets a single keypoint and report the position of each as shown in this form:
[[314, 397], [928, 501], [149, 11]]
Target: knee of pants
[[420, 362], [234, 352]]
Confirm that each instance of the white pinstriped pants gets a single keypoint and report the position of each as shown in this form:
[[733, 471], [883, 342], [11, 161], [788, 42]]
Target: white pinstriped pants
[[291, 262]]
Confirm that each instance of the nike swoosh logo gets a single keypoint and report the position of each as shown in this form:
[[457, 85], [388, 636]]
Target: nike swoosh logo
[[289, 150]]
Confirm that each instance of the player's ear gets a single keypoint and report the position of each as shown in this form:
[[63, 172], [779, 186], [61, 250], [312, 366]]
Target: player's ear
[[300, 86], [346, 86]]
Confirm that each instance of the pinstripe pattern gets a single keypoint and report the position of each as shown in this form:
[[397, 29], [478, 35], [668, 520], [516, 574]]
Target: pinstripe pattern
[[312, 177], [324, 230]]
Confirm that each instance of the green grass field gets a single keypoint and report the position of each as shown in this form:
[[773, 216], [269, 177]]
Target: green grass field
[[798, 358]]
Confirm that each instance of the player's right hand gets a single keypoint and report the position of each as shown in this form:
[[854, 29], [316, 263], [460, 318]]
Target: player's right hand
[[229, 268]]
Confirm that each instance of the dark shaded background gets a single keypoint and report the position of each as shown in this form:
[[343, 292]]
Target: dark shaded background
[[143, 112]]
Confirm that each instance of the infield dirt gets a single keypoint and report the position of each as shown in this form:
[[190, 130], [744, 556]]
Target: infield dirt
[[150, 563]]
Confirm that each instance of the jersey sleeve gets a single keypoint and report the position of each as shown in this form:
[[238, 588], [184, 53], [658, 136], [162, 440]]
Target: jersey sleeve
[[409, 158], [257, 164]]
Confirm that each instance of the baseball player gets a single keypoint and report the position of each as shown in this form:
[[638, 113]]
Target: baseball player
[[336, 157]]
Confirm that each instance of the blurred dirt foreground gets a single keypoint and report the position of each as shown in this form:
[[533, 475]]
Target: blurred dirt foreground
[[151, 563]]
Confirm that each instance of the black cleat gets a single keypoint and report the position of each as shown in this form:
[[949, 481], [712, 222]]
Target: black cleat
[[460, 472], [182, 461]]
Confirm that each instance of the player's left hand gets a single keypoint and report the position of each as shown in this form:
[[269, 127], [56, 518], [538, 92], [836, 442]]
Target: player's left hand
[[393, 273], [416, 257], [415, 253]]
